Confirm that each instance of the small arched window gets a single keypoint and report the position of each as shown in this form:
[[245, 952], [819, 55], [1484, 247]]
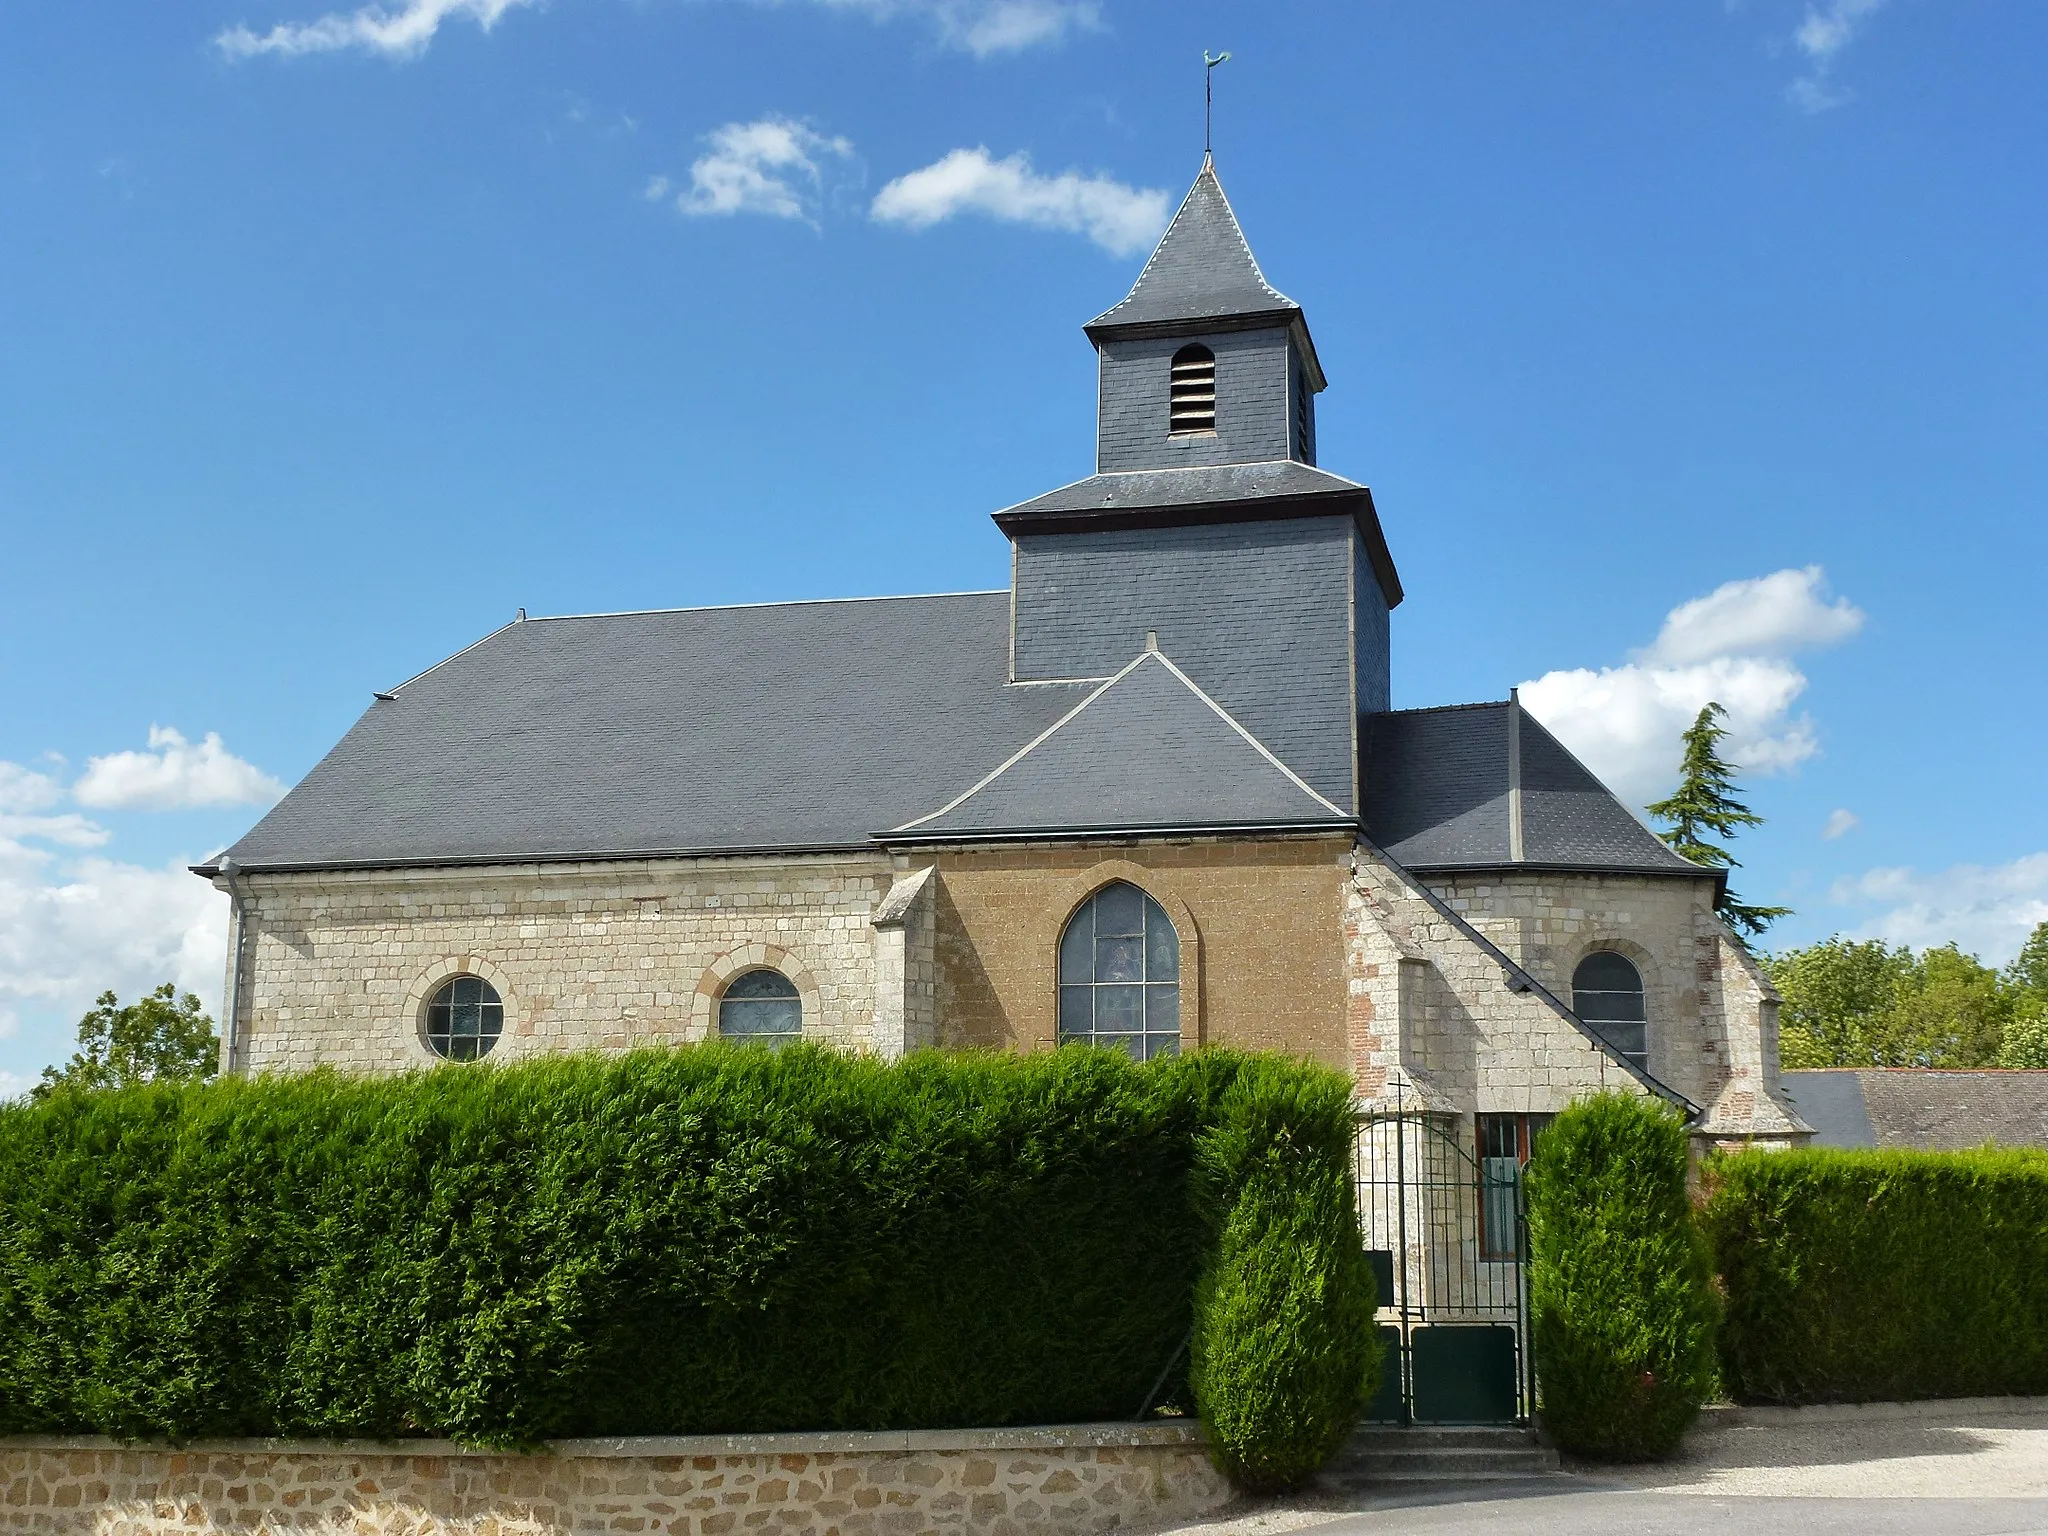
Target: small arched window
[[761, 1007], [464, 1019], [1192, 383], [1607, 993], [1120, 975]]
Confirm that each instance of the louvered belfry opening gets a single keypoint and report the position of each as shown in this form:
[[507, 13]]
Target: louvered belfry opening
[[1193, 386]]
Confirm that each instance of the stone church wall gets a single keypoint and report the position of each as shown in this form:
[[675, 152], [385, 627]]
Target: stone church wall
[[1548, 922], [1434, 1023], [613, 955], [1260, 924]]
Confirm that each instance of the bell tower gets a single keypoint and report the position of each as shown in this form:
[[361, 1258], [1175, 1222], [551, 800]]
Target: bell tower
[[1204, 362], [1207, 531]]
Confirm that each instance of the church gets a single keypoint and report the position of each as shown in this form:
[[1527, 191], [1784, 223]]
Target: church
[[1152, 795]]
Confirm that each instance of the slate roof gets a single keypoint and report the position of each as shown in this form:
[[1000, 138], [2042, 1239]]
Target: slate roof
[[1202, 269], [1206, 493], [1146, 750], [1923, 1108], [785, 726], [1198, 485], [1435, 796]]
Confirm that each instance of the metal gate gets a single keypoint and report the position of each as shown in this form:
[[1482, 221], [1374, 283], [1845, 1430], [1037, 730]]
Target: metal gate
[[1447, 1237]]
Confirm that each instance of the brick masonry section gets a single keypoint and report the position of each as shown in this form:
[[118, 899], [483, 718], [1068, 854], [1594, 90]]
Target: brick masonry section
[[1058, 1481]]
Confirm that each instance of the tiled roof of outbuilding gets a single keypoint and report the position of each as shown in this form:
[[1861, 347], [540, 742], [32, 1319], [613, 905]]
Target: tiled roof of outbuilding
[[1434, 787], [1921, 1107]]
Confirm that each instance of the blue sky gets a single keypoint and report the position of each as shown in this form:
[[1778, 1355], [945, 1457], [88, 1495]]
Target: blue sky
[[1691, 349]]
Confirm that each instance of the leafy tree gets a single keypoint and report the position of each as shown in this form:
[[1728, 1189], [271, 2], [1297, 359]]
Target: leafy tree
[[158, 1038], [1704, 803], [1839, 997], [2029, 969], [2026, 980], [2026, 1039], [1865, 1004], [1952, 1014]]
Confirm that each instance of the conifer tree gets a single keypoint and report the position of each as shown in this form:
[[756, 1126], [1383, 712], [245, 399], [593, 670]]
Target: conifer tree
[[1704, 803]]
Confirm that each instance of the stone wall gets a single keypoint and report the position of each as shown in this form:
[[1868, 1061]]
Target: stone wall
[[1260, 926], [338, 966], [1435, 1023], [1060, 1481]]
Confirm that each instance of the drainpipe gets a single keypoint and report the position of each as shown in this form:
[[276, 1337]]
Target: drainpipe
[[1515, 775], [231, 1005]]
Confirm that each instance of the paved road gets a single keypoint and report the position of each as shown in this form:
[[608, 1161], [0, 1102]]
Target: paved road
[[1547, 1510]]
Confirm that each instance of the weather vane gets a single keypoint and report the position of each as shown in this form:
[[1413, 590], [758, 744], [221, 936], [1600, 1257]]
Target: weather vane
[[1209, 63]]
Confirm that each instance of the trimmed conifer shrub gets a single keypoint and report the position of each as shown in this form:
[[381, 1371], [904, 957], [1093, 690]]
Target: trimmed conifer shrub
[[672, 1242], [1285, 1353], [1881, 1276], [1621, 1309]]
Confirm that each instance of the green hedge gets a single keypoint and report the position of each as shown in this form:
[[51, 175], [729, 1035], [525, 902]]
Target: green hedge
[[1285, 1353], [1621, 1305], [708, 1239], [1881, 1276]]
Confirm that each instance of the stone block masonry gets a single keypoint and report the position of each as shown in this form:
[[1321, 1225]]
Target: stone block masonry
[[1057, 1481], [609, 956]]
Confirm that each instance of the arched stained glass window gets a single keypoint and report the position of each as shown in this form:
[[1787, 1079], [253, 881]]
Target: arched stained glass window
[[1607, 993], [1120, 974], [1191, 385], [762, 1007], [464, 1019]]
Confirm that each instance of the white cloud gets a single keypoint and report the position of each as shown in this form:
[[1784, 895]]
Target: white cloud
[[985, 27], [23, 789], [1121, 219], [1732, 646], [1822, 34], [774, 165], [979, 27], [1763, 616], [67, 936], [70, 829], [403, 33], [1987, 910], [1840, 824], [13, 1085], [174, 775]]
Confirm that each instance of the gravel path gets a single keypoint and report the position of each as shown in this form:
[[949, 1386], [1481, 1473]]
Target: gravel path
[[1977, 1451], [1974, 1468]]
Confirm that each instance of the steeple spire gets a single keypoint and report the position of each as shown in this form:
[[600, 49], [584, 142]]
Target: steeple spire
[[1202, 269]]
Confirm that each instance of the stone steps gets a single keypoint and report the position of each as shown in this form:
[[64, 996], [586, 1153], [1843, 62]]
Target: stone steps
[[1445, 1453]]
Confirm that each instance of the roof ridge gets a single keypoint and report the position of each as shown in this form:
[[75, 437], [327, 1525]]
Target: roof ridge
[[1026, 750], [1259, 746], [782, 602], [1440, 709], [1237, 224], [1173, 671], [1608, 790]]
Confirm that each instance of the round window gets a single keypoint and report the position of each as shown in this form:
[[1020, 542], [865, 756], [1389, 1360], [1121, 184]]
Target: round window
[[464, 1019], [761, 1006]]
